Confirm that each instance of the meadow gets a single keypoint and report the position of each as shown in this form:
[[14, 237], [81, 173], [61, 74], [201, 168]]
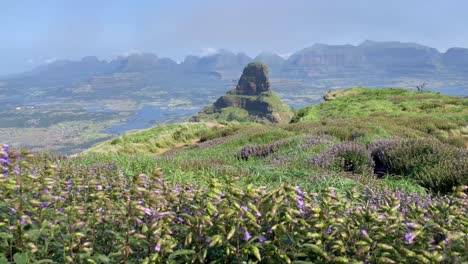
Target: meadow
[[372, 176]]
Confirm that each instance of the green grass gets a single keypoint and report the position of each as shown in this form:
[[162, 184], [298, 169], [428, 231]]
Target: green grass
[[264, 108], [385, 113], [151, 141], [360, 115]]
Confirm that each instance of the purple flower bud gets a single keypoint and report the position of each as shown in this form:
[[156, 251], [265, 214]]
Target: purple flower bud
[[409, 237], [364, 232], [147, 211], [157, 248], [262, 239], [247, 235]]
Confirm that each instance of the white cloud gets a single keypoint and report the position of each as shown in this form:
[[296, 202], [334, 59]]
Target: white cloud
[[50, 60], [31, 61], [208, 51], [285, 55], [130, 52]]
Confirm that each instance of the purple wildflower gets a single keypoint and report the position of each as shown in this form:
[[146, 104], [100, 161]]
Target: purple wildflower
[[364, 232], [409, 237], [300, 203], [147, 211], [262, 239], [157, 248], [247, 235]]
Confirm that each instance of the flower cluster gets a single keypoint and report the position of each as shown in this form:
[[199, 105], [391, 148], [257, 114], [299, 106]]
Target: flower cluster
[[59, 212], [261, 151], [4, 160], [349, 156]]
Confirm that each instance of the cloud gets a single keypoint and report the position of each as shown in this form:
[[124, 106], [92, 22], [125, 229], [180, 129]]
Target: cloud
[[50, 60], [31, 61], [208, 51], [285, 55], [130, 52]]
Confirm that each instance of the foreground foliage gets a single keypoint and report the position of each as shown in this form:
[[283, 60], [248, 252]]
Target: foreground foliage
[[62, 213]]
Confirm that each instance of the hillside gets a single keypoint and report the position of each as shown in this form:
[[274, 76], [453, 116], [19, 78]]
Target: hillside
[[332, 187], [251, 100], [393, 113], [358, 118]]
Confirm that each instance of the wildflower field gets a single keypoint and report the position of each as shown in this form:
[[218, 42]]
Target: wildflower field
[[326, 188], [51, 212]]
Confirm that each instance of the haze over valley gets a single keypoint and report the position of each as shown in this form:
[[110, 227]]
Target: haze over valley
[[74, 104]]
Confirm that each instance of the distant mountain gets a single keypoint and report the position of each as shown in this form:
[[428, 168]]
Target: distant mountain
[[225, 62], [370, 63], [456, 58], [388, 59], [274, 61]]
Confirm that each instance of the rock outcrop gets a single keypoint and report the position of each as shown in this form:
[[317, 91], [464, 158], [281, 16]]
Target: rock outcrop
[[251, 100]]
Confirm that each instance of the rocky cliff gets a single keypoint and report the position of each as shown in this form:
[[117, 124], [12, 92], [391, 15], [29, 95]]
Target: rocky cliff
[[251, 100]]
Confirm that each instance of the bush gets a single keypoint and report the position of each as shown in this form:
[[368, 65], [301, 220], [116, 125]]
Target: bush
[[218, 132], [433, 164], [261, 151], [350, 157]]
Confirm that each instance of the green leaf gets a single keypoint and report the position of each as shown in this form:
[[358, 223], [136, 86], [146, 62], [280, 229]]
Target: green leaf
[[21, 258], [6, 235], [180, 252], [256, 252]]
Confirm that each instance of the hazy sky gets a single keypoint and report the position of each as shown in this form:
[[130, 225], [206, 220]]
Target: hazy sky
[[34, 32]]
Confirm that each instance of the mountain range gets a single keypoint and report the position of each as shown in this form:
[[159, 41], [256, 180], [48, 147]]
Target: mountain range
[[371, 62]]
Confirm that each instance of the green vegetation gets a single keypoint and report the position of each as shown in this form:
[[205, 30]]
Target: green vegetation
[[55, 212], [301, 153], [151, 141], [263, 108], [385, 113], [368, 185], [252, 100]]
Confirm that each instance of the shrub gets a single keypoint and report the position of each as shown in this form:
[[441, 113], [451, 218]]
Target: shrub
[[218, 132], [350, 157], [261, 151], [433, 164]]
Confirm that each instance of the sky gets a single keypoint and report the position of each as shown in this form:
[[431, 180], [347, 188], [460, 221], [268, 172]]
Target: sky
[[37, 32]]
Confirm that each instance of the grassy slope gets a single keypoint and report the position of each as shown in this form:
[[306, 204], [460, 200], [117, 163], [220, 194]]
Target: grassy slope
[[277, 108], [151, 141], [365, 116], [393, 113]]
